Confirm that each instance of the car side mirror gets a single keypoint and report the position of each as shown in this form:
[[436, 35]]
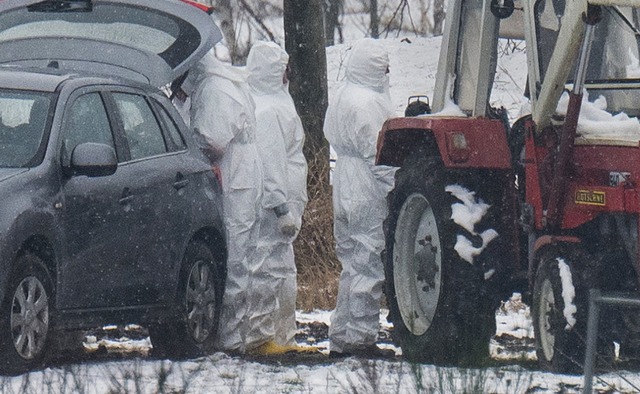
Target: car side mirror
[[93, 159]]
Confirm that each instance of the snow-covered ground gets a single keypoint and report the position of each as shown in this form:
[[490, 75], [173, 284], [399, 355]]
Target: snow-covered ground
[[120, 362]]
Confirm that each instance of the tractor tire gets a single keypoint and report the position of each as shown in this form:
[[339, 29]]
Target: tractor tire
[[438, 302], [199, 305], [559, 313], [26, 317], [630, 340]]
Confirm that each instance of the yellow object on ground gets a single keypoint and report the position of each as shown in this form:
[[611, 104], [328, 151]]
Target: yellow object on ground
[[273, 349]]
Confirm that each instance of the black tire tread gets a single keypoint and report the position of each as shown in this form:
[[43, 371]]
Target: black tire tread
[[172, 339], [464, 322]]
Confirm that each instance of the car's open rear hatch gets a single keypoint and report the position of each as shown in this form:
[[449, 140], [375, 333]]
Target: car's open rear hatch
[[152, 41]]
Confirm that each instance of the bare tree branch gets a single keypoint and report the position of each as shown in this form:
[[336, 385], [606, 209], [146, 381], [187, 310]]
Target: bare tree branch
[[257, 19], [404, 4]]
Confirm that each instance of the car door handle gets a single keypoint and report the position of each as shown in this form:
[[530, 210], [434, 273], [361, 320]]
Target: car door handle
[[126, 197], [180, 182]]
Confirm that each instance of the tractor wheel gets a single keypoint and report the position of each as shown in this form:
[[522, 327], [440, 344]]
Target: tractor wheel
[[199, 304], [559, 313], [437, 299], [26, 316]]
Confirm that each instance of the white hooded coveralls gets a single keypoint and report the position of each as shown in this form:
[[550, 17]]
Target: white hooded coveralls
[[223, 120], [353, 120], [280, 137]]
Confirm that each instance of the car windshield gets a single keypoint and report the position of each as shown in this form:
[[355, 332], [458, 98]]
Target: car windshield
[[23, 117], [614, 69]]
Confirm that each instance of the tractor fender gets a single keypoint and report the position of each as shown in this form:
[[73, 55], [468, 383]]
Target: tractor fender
[[459, 142], [543, 242]]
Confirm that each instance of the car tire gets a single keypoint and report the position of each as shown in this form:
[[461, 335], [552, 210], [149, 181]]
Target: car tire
[[26, 316], [438, 301], [198, 306]]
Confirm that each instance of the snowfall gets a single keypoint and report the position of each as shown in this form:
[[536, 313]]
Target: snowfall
[[118, 360]]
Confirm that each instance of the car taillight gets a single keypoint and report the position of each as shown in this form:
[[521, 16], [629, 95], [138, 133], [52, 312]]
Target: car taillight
[[217, 173], [203, 7]]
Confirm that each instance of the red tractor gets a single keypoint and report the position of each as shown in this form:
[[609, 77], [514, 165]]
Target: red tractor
[[547, 206]]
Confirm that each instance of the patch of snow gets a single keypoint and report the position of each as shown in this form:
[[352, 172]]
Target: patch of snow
[[489, 274], [450, 108], [510, 79], [467, 251], [470, 212], [568, 293], [324, 317], [467, 215], [220, 373], [633, 68], [118, 345], [412, 68], [513, 317], [314, 316], [595, 122]]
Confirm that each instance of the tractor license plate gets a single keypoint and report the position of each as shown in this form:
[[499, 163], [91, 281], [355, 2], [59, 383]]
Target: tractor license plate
[[590, 197]]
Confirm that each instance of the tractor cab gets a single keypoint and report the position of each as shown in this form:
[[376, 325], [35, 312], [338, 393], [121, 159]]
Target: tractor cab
[[613, 71]]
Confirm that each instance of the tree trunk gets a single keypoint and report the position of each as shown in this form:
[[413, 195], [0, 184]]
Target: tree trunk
[[331, 16], [374, 19], [224, 11], [438, 17], [316, 260], [304, 41]]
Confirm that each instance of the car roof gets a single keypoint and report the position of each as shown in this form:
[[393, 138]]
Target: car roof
[[50, 79], [26, 79]]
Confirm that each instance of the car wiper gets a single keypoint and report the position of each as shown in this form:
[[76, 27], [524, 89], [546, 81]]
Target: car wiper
[[61, 6]]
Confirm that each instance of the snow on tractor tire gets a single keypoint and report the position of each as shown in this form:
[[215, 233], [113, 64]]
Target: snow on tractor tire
[[564, 275]]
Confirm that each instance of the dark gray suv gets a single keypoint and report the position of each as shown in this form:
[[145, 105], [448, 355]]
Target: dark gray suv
[[110, 213]]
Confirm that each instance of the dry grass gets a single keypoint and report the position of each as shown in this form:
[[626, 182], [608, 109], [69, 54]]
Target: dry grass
[[318, 266]]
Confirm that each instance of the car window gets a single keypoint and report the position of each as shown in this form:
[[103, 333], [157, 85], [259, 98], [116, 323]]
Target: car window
[[23, 117], [173, 132], [140, 126], [86, 121]]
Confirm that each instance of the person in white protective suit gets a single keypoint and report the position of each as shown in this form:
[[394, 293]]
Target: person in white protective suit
[[280, 137], [353, 119], [223, 120]]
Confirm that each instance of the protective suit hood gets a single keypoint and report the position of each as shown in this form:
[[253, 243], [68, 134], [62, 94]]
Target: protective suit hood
[[368, 64], [207, 66], [266, 65]]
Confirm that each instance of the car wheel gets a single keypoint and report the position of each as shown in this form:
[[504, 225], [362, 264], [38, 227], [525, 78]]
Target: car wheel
[[198, 308], [437, 300], [25, 325]]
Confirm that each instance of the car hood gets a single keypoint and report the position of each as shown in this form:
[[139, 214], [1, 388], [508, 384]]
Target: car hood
[[152, 41]]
